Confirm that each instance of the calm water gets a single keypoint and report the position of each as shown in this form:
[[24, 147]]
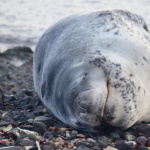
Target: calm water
[[22, 22]]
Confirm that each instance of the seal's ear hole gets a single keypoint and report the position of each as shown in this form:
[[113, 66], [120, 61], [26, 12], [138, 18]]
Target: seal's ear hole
[[43, 89]]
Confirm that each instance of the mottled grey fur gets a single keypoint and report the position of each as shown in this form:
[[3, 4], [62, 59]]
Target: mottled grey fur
[[93, 68]]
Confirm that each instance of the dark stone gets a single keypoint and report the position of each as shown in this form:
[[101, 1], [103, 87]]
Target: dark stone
[[27, 127], [24, 142], [114, 135], [141, 128], [47, 147], [13, 148], [121, 145], [9, 97], [33, 148], [129, 136], [48, 121], [30, 116], [48, 135], [104, 141], [22, 120], [88, 144], [141, 140], [30, 136], [82, 147], [60, 124], [39, 110], [141, 147], [39, 127], [16, 117], [30, 121]]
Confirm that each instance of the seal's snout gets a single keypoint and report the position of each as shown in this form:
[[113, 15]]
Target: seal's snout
[[89, 106]]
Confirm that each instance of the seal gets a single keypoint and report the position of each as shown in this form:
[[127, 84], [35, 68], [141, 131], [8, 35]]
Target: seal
[[93, 69]]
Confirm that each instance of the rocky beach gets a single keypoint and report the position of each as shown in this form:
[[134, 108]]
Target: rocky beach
[[25, 123]]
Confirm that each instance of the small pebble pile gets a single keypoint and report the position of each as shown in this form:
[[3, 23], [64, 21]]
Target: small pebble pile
[[26, 125]]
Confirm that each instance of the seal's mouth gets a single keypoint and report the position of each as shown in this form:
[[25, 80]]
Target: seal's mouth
[[108, 85]]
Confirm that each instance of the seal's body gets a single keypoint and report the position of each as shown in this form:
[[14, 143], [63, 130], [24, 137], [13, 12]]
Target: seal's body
[[91, 69]]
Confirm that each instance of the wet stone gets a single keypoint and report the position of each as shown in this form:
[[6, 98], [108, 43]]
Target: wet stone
[[27, 127], [13, 148], [121, 145], [30, 121], [47, 147], [129, 136], [114, 136], [48, 135], [142, 128], [26, 142], [39, 127], [141, 147], [104, 141], [141, 140], [82, 147], [48, 121], [30, 116], [27, 136]]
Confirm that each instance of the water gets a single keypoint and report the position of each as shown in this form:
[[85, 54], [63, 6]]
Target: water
[[22, 22]]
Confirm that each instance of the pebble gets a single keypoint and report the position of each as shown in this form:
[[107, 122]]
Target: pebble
[[114, 136], [39, 127], [121, 145], [48, 135], [129, 136], [141, 140], [141, 147], [104, 141], [46, 120]]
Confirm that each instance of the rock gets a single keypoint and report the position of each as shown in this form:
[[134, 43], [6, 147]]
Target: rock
[[60, 124], [9, 98], [26, 142], [28, 136], [48, 135], [13, 148], [129, 136], [110, 148], [114, 135], [85, 143], [16, 117], [46, 120], [22, 120], [30, 116], [39, 110], [39, 127], [30, 121], [141, 147], [141, 140], [148, 142], [82, 147], [142, 128], [27, 127], [131, 143], [121, 145], [104, 141], [47, 147]]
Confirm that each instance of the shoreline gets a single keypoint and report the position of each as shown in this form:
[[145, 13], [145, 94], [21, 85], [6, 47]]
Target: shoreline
[[25, 123]]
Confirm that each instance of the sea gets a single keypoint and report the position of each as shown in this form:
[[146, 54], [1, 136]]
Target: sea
[[22, 22]]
